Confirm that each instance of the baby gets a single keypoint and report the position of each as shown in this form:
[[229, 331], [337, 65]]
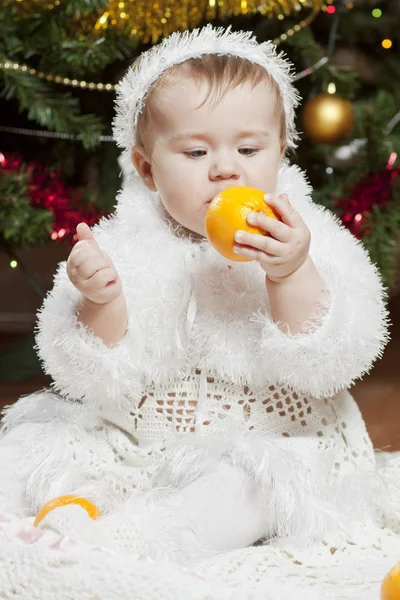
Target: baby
[[202, 404], [229, 130]]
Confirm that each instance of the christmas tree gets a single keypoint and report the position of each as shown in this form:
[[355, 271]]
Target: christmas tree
[[61, 60]]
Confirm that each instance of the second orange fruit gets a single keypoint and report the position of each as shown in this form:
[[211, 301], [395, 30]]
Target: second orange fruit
[[390, 589], [90, 508], [227, 214]]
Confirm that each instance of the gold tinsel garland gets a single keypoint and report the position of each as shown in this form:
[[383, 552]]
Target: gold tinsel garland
[[148, 20]]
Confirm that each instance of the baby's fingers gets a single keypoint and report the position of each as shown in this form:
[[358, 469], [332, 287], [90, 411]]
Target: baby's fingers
[[100, 280], [84, 232], [103, 287], [287, 212], [90, 266], [81, 252]]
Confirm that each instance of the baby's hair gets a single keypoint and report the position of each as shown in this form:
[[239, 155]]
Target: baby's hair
[[221, 72]]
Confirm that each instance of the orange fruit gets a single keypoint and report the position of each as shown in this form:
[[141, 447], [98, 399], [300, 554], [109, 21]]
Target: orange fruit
[[90, 508], [228, 212], [390, 589]]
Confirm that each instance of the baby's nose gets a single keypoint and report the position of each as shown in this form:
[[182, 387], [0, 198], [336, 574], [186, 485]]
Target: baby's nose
[[224, 170]]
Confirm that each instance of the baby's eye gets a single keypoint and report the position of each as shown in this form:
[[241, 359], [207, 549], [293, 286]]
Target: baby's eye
[[247, 151], [196, 153]]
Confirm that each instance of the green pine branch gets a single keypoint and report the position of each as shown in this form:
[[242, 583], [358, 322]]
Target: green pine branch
[[308, 52], [80, 8], [383, 241], [372, 117], [20, 222], [304, 46], [87, 55], [54, 48], [51, 109], [53, 41], [10, 42]]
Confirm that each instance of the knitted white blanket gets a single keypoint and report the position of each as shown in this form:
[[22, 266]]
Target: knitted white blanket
[[37, 564]]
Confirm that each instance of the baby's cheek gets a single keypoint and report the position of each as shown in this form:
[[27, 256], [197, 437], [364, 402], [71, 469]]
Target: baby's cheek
[[174, 201]]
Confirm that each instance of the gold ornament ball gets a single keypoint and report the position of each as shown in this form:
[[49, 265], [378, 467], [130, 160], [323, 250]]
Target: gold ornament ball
[[327, 118]]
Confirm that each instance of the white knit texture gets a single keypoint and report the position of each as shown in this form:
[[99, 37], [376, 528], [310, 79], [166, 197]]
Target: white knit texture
[[39, 565], [49, 448]]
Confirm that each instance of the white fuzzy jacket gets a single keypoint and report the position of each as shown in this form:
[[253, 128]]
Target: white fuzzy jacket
[[233, 333]]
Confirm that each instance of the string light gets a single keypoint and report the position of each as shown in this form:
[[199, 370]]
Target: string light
[[48, 134], [387, 44], [311, 69], [392, 160], [330, 10], [377, 13], [66, 81], [13, 264], [331, 88]]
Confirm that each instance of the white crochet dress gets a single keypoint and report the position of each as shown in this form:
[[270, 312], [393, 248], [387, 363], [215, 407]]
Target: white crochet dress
[[203, 360]]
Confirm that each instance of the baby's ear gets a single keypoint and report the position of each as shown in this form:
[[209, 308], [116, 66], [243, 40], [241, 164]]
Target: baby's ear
[[143, 167]]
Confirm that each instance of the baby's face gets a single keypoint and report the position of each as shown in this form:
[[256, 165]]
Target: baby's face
[[195, 152]]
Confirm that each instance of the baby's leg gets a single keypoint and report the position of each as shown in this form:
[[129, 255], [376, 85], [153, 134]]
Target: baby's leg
[[218, 512], [223, 511]]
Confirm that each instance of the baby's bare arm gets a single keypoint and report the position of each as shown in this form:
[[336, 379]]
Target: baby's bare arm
[[107, 321], [102, 306], [297, 298]]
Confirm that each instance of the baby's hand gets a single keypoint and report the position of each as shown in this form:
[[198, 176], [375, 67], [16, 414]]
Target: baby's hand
[[91, 270], [286, 246]]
